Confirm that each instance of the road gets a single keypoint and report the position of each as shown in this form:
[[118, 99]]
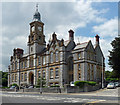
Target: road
[[101, 96]]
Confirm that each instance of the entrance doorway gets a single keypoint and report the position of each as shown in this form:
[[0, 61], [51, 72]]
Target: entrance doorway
[[31, 78]]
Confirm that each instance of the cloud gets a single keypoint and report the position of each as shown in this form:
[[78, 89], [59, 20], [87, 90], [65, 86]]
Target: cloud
[[58, 17], [108, 29]]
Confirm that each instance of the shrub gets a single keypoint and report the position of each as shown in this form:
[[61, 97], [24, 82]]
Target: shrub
[[55, 86], [4, 82], [80, 83], [37, 86], [92, 83], [14, 84], [5, 87]]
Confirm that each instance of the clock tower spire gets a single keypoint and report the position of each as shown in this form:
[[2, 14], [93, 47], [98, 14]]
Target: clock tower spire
[[36, 39]]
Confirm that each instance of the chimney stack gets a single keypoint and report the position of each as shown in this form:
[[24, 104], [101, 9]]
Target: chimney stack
[[71, 35], [97, 40]]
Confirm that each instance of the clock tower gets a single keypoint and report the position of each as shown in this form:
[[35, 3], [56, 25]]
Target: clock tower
[[36, 39]]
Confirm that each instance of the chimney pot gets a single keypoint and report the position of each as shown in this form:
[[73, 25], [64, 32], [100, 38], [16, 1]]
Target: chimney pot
[[71, 34]]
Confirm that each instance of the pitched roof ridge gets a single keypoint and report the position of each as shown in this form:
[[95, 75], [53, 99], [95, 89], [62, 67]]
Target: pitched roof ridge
[[82, 43], [66, 40]]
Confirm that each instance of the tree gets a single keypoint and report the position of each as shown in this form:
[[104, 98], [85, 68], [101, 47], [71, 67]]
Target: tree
[[41, 80], [114, 57], [3, 78], [4, 82]]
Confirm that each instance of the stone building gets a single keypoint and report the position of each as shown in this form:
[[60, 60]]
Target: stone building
[[59, 61]]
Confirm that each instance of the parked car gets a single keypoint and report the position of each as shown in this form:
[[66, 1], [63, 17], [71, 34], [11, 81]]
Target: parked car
[[30, 87], [117, 84], [72, 83], [12, 87], [111, 85]]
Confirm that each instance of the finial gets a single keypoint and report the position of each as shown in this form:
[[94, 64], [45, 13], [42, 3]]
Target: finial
[[78, 40], [37, 7]]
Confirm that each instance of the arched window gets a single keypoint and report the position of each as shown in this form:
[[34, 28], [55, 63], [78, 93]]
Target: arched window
[[51, 57], [51, 73], [16, 77], [39, 74], [88, 72], [12, 77], [31, 62], [15, 65], [43, 60], [79, 75], [32, 38], [22, 77], [92, 72], [56, 56], [25, 65], [79, 55], [79, 66], [56, 73], [25, 76], [43, 74], [39, 63]]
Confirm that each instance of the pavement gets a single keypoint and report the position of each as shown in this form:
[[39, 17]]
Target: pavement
[[101, 92], [100, 96]]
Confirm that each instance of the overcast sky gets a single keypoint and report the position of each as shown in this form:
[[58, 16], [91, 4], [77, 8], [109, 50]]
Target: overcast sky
[[86, 19]]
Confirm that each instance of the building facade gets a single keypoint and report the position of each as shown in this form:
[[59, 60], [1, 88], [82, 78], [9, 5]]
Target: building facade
[[59, 61]]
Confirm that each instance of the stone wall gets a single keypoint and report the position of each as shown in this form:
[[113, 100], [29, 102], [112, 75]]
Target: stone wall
[[66, 89], [85, 88]]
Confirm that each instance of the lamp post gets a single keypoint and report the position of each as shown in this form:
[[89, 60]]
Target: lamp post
[[102, 73], [41, 81], [40, 85]]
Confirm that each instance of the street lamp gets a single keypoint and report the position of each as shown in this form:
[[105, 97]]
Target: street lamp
[[102, 73], [40, 85], [41, 81]]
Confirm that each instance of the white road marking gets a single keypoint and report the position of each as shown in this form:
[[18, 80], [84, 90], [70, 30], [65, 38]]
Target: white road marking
[[67, 100]]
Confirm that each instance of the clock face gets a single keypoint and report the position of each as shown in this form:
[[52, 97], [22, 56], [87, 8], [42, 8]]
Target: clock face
[[40, 28], [33, 28]]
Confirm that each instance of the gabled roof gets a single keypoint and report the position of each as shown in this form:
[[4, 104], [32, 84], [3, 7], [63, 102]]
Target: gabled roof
[[66, 42], [81, 45], [98, 47]]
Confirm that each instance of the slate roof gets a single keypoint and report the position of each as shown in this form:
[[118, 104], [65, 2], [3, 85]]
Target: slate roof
[[81, 45]]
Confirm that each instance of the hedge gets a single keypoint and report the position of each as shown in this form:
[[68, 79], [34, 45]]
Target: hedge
[[91, 83], [81, 83], [14, 84], [55, 86]]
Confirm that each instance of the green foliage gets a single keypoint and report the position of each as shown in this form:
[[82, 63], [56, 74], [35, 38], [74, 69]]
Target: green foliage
[[4, 82], [114, 57], [14, 84], [5, 75], [92, 83], [41, 80], [110, 76], [55, 86], [37, 86], [3, 79], [4, 87], [112, 79], [81, 83]]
